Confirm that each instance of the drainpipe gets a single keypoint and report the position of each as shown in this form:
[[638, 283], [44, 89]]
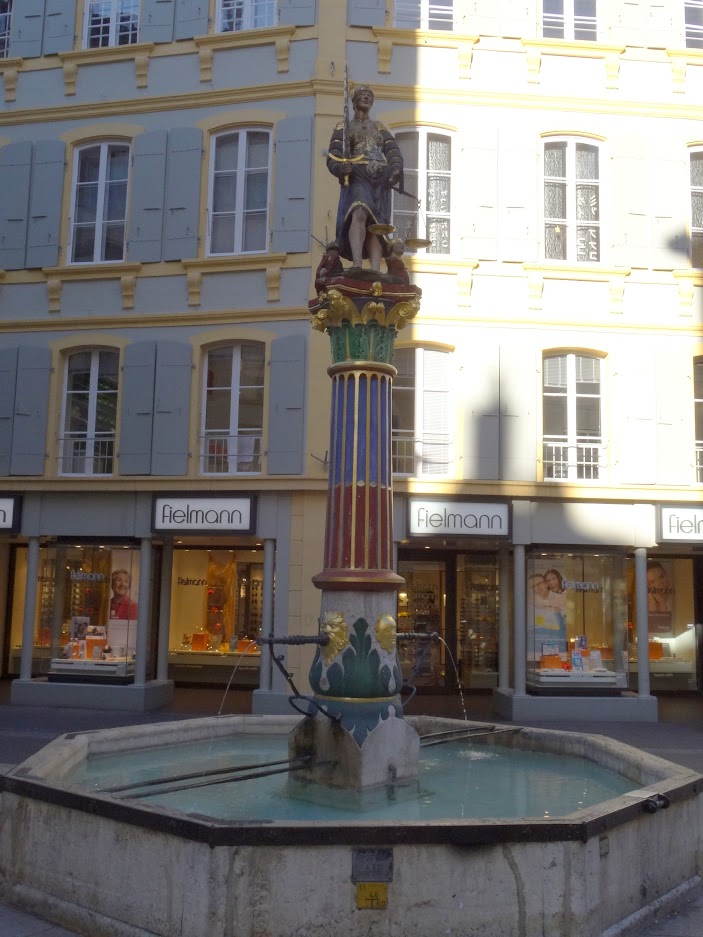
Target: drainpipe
[[30, 609], [143, 613], [642, 608], [164, 609], [520, 640]]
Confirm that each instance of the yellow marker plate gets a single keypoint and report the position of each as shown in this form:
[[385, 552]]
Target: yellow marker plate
[[372, 895]]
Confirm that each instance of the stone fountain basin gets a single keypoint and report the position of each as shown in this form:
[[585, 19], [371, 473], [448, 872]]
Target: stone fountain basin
[[110, 868]]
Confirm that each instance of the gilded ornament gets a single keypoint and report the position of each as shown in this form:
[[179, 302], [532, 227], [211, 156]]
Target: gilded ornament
[[335, 627], [376, 288], [386, 630]]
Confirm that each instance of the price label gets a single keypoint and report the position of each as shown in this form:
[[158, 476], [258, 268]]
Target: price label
[[372, 895]]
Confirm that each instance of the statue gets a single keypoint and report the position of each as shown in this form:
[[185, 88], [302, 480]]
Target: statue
[[395, 264], [330, 266], [366, 159]]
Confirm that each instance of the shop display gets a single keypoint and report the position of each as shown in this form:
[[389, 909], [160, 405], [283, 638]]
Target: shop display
[[477, 626]]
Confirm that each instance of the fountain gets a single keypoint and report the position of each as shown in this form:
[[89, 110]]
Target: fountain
[[153, 831]]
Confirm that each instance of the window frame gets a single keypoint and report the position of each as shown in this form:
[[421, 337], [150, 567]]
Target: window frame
[[698, 438], [248, 16], [693, 33], [234, 432], [424, 133], [239, 198], [100, 220], [6, 22], [421, 438], [91, 436], [696, 232], [425, 17], [576, 471], [570, 23], [571, 183], [113, 27]]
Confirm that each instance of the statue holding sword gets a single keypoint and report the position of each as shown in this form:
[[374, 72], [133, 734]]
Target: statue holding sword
[[366, 159]]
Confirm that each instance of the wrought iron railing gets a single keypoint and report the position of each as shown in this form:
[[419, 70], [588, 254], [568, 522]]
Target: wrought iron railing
[[230, 455], [86, 455], [430, 455], [583, 460]]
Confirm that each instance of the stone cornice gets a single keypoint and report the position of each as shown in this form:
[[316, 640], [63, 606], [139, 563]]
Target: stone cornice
[[536, 48], [139, 52], [389, 37], [271, 264], [126, 273], [280, 36], [9, 69]]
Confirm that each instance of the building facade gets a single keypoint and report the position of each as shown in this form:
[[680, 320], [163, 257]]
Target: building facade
[[164, 405]]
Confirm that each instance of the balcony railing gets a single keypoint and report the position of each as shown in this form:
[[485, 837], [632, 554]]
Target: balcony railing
[[409, 15], [699, 462], [230, 455], [584, 460], [430, 455], [86, 455]]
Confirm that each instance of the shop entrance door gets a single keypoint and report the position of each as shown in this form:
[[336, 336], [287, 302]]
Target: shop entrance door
[[426, 604], [477, 620]]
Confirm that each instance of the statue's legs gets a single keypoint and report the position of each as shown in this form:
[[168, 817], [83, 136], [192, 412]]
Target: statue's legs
[[358, 236]]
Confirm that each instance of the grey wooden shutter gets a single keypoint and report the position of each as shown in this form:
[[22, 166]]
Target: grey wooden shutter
[[630, 212], [171, 409], [367, 12], [156, 21], [59, 26], [483, 18], [480, 383], [46, 191], [191, 18], [8, 379], [183, 170], [634, 428], [15, 173], [138, 369], [674, 393], [286, 429], [518, 18], [629, 25], [520, 396], [669, 176], [481, 167], [26, 29], [518, 176], [147, 197], [297, 12], [291, 204], [662, 31], [31, 411]]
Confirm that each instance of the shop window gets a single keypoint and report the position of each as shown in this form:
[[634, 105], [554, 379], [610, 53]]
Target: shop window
[[571, 408], [421, 441], [99, 203], [424, 14], [698, 416], [239, 192], [696, 158], [572, 201], [5, 17], [577, 621], [427, 160], [111, 23], [233, 15], [87, 442], [693, 13], [569, 19], [233, 409]]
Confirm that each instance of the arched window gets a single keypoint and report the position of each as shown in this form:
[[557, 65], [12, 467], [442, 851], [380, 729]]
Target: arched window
[[239, 192], [111, 23], [99, 203], [420, 412], [424, 14], [572, 201], [233, 409], [233, 15], [698, 415], [427, 157], [89, 417], [571, 411]]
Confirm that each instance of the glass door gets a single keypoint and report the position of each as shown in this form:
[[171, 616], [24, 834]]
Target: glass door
[[477, 620], [422, 606]]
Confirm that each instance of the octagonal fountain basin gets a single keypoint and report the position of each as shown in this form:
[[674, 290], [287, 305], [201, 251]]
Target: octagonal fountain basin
[[509, 831]]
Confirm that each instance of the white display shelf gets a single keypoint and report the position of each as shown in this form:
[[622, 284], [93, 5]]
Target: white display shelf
[[113, 667], [557, 677]]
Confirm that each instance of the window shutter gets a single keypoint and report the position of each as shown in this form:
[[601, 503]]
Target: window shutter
[[183, 169], [629, 197], [286, 429], [635, 436], [435, 412], [8, 379], [367, 12], [481, 160], [630, 23], [518, 18], [675, 430], [480, 386], [661, 29], [291, 204], [171, 409], [26, 29], [31, 411], [156, 21], [46, 192], [59, 26], [191, 18], [147, 197], [517, 199], [15, 172], [520, 399], [297, 12], [670, 202], [483, 19], [554, 371], [138, 371]]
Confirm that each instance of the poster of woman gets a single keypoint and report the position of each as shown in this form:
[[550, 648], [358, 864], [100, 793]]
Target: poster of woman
[[660, 596], [546, 612]]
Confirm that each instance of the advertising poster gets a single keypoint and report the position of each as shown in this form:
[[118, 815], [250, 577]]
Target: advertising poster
[[546, 610], [660, 596], [123, 610]]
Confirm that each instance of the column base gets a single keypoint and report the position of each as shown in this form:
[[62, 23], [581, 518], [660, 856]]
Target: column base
[[625, 708], [132, 698]]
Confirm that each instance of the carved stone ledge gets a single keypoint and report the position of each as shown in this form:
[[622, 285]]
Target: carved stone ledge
[[687, 280], [125, 273], [592, 273], [388, 37], [139, 52], [464, 284], [10, 69], [270, 264], [536, 48], [278, 36], [680, 60]]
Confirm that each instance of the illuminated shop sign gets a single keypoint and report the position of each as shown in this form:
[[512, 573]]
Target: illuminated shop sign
[[681, 523], [10, 514], [458, 518], [182, 514]]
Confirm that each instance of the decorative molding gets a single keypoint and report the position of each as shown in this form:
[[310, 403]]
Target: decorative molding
[[464, 284], [581, 49], [687, 280], [680, 59], [592, 273], [271, 264], [139, 52], [278, 36], [387, 38], [10, 69], [125, 273]]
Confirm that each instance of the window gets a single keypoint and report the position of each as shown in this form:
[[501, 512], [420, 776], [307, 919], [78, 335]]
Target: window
[[111, 23], [233, 409], [698, 408], [5, 17], [239, 192], [697, 209], [424, 14], [571, 201], [420, 412], [428, 169], [100, 203], [573, 445], [693, 14], [569, 19], [233, 15], [87, 446]]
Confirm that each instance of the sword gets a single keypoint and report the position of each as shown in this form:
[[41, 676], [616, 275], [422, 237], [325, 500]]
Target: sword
[[346, 151]]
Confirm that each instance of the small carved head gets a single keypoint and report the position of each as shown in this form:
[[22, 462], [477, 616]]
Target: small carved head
[[386, 632], [335, 627]]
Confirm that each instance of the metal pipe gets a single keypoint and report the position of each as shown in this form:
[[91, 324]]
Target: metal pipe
[[189, 777], [294, 766]]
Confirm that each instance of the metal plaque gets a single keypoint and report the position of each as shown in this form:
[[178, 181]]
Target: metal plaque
[[372, 895], [372, 865]]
